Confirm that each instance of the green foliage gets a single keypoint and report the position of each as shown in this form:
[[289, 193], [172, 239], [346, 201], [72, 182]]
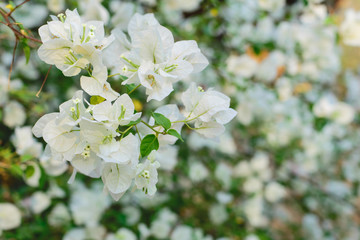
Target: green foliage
[[26, 157], [16, 170], [29, 171], [96, 100], [161, 120], [150, 142], [133, 122], [123, 78], [320, 123], [130, 87], [27, 53], [174, 133]]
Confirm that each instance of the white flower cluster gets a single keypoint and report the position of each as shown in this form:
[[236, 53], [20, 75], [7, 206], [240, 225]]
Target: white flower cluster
[[152, 58], [106, 138]]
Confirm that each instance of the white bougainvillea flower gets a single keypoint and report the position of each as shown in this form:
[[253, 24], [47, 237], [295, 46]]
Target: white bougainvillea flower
[[74, 109], [274, 192], [14, 114], [121, 112], [97, 84], [117, 178], [209, 129], [94, 10], [38, 128], [207, 106], [147, 175], [188, 51], [157, 85], [120, 45], [208, 110], [331, 108], [39, 202], [120, 152], [153, 59], [96, 134], [70, 44], [33, 178], [59, 134], [10, 216], [87, 163], [52, 162], [25, 143], [95, 138]]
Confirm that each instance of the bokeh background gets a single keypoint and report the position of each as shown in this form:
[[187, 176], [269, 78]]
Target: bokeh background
[[287, 168]]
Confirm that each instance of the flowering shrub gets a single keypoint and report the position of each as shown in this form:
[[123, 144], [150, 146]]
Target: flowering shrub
[[96, 139]]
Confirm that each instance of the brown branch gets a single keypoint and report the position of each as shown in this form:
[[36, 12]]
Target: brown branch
[[42, 85], [17, 6], [8, 23]]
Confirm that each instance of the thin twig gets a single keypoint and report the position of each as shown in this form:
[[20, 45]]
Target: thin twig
[[16, 32], [17, 6], [152, 128], [42, 85]]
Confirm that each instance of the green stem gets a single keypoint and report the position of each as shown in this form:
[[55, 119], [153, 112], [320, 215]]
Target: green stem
[[113, 75], [152, 128], [189, 126], [123, 133], [189, 120], [134, 89], [137, 131]]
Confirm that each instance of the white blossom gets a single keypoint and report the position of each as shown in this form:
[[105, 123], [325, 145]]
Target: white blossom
[[349, 28], [147, 176], [10, 216]]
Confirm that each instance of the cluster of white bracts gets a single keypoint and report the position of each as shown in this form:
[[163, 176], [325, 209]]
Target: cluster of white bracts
[[90, 136]]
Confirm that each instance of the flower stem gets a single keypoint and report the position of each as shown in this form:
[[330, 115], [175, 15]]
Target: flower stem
[[134, 89], [152, 128]]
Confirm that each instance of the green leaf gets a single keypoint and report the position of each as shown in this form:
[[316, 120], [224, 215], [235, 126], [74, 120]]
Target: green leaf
[[174, 133], [130, 131], [123, 78], [161, 120], [130, 87], [149, 143], [26, 157], [27, 53], [133, 122], [96, 100], [29, 171], [16, 170]]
